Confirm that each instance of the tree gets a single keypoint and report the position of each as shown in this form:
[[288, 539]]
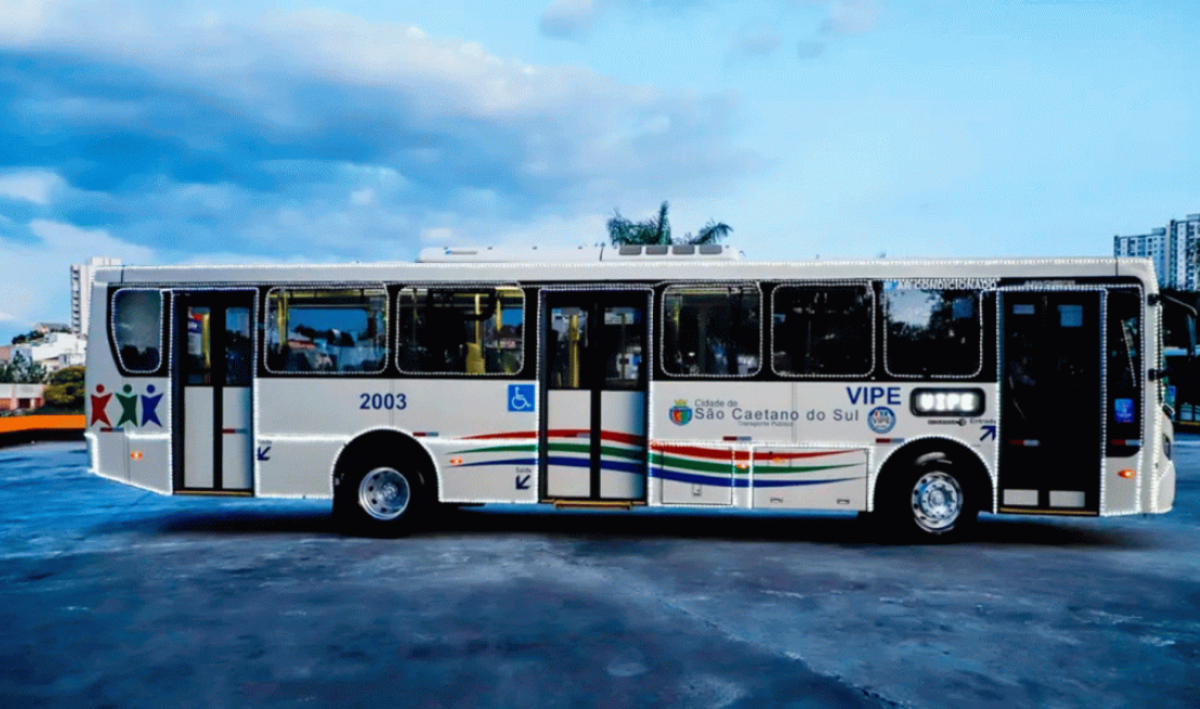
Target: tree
[[66, 389], [22, 371], [657, 230]]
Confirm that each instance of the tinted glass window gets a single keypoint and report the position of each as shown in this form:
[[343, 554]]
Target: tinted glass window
[[932, 332], [1124, 367], [453, 331], [819, 331], [137, 329], [335, 330], [711, 330]]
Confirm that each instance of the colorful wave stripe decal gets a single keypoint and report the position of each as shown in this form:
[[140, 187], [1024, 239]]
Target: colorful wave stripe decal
[[696, 465], [497, 455], [619, 452], [724, 468]]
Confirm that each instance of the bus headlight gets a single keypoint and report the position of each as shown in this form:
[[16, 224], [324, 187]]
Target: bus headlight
[[947, 402]]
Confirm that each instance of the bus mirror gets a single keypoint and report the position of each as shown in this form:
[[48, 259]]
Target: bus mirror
[[1190, 314]]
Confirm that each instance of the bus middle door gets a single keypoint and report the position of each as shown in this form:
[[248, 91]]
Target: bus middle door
[[594, 420]]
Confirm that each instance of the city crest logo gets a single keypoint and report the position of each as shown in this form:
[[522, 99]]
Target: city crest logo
[[681, 413]]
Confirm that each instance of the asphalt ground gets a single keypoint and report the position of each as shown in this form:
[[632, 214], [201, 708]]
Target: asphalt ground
[[115, 597]]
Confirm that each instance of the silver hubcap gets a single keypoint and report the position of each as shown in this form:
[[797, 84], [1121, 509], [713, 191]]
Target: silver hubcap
[[937, 501], [384, 493]]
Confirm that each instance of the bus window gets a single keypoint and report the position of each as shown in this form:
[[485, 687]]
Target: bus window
[[137, 329], [461, 331], [822, 330], [932, 332], [711, 330], [1124, 368], [334, 330]]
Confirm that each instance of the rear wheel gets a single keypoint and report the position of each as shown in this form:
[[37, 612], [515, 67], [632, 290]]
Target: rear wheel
[[931, 500]]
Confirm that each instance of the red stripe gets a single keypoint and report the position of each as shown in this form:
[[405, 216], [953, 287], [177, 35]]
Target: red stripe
[[725, 453], [616, 436], [768, 455], [710, 453], [515, 434]]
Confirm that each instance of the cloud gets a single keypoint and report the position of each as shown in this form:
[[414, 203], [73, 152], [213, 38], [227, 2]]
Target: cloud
[[36, 286], [754, 41], [33, 186], [575, 19], [568, 19], [810, 49], [852, 16], [323, 134]]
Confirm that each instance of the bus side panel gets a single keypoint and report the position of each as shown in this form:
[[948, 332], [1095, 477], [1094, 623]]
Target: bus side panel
[[295, 467], [482, 433], [1120, 488], [150, 461], [810, 478], [322, 407], [492, 470]]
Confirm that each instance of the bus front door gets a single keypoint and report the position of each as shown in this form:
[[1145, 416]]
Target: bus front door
[[213, 372], [593, 433], [1051, 425]]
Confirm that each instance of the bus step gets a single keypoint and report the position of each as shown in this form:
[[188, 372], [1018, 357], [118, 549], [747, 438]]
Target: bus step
[[601, 504]]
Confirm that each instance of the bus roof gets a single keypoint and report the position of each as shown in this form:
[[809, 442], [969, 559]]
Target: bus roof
[[590, 263]]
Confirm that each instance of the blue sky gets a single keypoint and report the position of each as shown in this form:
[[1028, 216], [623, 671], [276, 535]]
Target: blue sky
[[334, 130]]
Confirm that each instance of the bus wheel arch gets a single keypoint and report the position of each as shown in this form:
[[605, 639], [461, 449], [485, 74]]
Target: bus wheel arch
[[932, 489], [384, 483]]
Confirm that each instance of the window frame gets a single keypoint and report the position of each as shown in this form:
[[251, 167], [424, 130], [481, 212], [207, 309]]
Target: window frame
[[114, 345], [265, 324], [872, 326], [938, 284], [467, 288], [756, 286]]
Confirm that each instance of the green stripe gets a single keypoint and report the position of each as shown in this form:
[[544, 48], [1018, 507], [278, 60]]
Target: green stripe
[[723, 468], [803, 468], [605, 451], [520, 447], [670, 461]]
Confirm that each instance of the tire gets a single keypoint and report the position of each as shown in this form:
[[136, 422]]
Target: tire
[[932, 500], [379, 500]]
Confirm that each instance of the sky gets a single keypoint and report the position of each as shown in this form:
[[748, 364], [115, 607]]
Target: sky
[[340, 130]]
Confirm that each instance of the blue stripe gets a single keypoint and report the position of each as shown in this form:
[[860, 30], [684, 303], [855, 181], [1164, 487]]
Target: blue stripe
[[694, 479], [509, 461]]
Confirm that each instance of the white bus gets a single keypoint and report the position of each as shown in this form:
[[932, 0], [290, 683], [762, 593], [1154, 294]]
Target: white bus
[[923, 392]]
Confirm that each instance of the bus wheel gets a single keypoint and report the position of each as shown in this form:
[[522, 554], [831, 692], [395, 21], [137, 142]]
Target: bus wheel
[[933, 501], [378, 501]]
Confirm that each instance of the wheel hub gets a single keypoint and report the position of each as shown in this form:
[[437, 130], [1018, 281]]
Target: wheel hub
[[384, 493], [937, 501]]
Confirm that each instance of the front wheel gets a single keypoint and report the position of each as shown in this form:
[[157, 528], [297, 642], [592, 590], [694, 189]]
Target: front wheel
[[932, 502], [379, 500]]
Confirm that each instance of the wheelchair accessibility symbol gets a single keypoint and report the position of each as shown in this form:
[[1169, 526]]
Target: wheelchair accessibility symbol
[[521, 397]]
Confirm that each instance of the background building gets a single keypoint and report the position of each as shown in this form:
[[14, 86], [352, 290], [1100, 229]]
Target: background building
[[54, 350], [81, 290], [1173, 249]]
